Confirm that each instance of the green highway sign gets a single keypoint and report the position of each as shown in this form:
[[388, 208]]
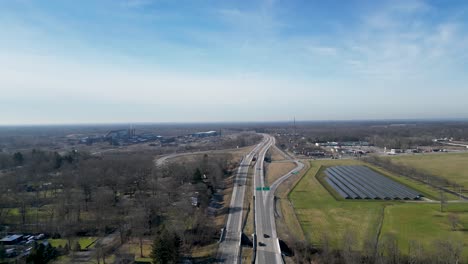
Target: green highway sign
[[259, 188], [266, 188]]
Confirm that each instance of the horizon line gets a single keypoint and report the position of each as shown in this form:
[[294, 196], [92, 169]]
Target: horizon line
[[236, 122]]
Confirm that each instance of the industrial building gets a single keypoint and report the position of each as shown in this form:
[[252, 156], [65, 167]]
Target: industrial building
[[205, 134]]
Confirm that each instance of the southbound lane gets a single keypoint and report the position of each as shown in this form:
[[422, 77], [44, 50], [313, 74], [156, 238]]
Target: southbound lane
[[230, 246], [268, 248]]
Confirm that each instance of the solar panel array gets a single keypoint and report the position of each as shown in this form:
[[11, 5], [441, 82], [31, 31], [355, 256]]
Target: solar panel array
[[360, 182]]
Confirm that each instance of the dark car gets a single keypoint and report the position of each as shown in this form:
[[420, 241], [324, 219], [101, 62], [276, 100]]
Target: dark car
[[266, 236], [261, 244]]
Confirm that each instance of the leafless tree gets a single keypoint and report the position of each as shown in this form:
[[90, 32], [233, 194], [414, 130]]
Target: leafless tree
[[349, 241], [327, 252], [416, 253], [391, 249], [454, 220], [369, 250], [447, 251], [443, 200]]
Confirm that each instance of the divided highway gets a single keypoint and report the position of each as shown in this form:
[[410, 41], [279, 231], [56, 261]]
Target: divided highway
[[268, 248], [230, 247]]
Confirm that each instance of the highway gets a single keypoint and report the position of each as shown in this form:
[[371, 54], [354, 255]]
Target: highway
[[230, 246], [268, 249]]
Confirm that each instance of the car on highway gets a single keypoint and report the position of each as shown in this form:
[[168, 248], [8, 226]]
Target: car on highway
[[266, 236], [261, 244]]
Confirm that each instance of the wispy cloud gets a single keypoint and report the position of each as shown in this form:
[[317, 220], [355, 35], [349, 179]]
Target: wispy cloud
[[136, 3], [406, 44], [323, 50], [186, 61]]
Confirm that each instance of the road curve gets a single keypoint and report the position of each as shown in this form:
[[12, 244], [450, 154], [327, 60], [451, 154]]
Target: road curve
[[268, 248], [230, 246], [163, 159]]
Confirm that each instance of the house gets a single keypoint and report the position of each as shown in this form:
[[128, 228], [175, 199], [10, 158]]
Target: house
[[395, 151], [194, 201], [11, 240]]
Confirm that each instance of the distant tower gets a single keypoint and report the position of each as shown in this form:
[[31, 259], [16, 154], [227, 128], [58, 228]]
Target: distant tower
[[295, 132]]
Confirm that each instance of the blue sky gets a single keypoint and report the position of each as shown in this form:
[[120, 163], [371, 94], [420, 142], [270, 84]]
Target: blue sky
[[110, 61]]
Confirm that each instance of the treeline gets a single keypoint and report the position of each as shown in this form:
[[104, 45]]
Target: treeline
[[77, 194], [410, 172], [242, 140], [399, 135], [385, 251], [37, 160]]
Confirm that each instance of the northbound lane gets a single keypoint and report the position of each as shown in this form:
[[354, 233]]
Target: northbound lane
[[268, 248], [229, 249]]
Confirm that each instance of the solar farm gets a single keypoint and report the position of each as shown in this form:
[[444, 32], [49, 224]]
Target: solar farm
[[360, 182]]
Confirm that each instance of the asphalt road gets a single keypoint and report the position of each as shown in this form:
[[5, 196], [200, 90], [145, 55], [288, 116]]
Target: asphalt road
[[163, 159], [268, 249], [230, 246]]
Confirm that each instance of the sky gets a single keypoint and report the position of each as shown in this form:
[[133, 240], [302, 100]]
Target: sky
[[120, 61]]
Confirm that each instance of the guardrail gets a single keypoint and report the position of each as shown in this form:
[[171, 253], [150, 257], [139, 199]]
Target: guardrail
[[254, 254], [279, 249], [221, 238], [239, 254]]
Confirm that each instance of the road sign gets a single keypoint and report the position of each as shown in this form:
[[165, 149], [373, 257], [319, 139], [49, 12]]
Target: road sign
[[296, 172], [266, 188], [258, 188]]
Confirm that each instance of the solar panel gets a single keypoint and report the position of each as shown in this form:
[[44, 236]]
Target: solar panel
[[360, 182]]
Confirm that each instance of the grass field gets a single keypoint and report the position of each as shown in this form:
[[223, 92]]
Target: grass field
[[59, 242], [275, 170], [424, 223], [319, 213], [288, 226], [134, 248], [85, 242], [276, 155], [452, 166]]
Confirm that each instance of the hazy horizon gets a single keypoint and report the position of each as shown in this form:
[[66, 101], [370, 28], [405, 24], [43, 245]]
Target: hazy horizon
[[158, 61], [195, 123]]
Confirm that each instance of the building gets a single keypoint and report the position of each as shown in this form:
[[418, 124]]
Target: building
[[11, 240], [343, 144], [119, 134], [395, 151], [205, 134]]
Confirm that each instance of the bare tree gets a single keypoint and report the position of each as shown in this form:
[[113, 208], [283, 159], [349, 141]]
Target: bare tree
[[369, 250], [327, 252], [443, 200], [391, 249], [447, 251], [348, 248], [416, 252], [454, 220]]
